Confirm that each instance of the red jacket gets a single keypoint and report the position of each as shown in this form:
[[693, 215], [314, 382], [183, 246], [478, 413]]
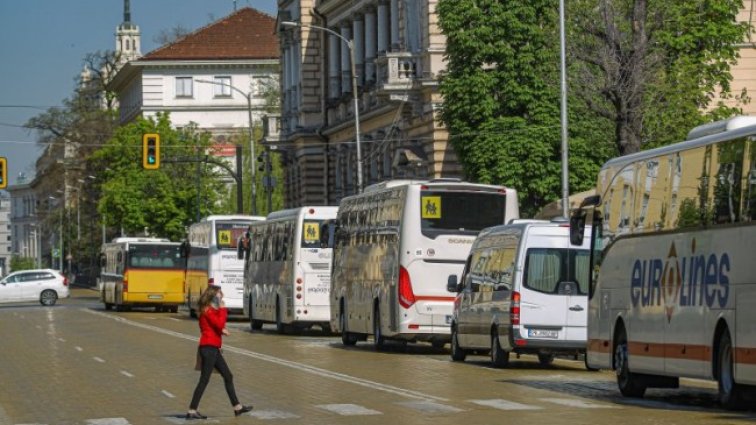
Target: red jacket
[[211, 323]]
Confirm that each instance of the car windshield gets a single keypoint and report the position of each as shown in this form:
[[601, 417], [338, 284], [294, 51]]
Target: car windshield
[[466, 213]]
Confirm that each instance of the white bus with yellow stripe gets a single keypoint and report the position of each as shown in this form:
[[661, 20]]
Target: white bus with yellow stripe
[[674, 276]]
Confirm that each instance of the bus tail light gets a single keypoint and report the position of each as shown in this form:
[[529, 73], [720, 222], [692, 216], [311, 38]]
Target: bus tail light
[[514, 309], [406, 296], [210, 281], [125, 284]]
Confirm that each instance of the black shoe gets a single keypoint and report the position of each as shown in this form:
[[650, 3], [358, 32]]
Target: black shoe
[[244, 409], [195, 415]]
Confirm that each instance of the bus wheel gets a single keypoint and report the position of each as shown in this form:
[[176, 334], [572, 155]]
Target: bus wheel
[[254, 325], [545, 359], [379, 343], [280, 327], [108, 306], [347, 338], [499, 356], [192, 312], [731, 395], [458, 354], [630, 384], [174, 309]]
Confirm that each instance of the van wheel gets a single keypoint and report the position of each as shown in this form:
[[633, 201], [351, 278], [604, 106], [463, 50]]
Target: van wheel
[[499, 357], [630, 384], [458, 354], [347, 338], [48, 297], [379, 343], [545, 359], [731, 394]]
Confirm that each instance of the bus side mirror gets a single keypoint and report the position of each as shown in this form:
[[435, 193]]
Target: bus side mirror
[[452, 284], [327, 234], [577, 227], [184, 249], [243, 246]]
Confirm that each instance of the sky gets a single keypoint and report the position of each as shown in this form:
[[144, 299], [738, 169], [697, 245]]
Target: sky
[[43, 44]]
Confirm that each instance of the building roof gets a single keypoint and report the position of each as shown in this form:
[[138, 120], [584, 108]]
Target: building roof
[[245, 34]]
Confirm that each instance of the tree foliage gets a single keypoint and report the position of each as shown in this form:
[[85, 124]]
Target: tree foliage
[[501, 99], [157, 202], [18, 263]]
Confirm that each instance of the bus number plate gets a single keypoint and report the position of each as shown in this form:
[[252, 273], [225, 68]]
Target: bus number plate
[[155, 297], [543, 333]]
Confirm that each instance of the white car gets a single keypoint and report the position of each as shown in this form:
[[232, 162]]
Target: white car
[[43, 285]]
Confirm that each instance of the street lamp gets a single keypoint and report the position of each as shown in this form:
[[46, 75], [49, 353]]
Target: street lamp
[[355, 95], [248, 96]]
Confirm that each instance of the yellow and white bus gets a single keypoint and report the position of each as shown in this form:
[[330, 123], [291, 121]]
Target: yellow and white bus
[[288, 270], [396, 245], [142, 272], [673, 283], [211, 258]]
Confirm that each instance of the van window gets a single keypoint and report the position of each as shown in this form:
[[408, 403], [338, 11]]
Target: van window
[[547, 268], [500, 268]]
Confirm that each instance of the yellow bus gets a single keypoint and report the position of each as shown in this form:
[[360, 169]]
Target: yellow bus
[[142, 272]]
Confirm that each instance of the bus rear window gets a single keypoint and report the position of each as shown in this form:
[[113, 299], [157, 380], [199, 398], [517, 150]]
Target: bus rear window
[[468, 213], [227, 234], [311, 233], [155, 257]]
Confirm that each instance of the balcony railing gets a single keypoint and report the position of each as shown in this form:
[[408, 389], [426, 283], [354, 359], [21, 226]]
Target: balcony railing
[[396, 71]]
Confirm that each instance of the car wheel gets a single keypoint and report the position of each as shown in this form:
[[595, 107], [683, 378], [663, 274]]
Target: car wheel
[[379, 343], [731, 394], [458, 354], [48, 297], [630, 384], [545, 359], [254, 325], [499, 356], [347, 338]]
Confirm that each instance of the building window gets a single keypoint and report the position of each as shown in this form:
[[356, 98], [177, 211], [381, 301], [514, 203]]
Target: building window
[[222, 87], [183, 86]]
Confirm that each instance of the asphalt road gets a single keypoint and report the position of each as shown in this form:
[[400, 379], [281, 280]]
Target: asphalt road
[[76, 363]]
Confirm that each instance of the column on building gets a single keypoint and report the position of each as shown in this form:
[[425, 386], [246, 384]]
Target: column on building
[[394, 25], [295, 75], [286, 85], [334, 66], [383, 27], [346, 86], [370, 45], [358, 44]]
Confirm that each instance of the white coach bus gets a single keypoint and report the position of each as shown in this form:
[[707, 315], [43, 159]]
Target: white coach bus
[[674, 273], [395, 246], [288, 271], [211, 256]]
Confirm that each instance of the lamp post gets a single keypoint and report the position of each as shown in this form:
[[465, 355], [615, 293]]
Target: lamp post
[[355, 95], [248, 96]]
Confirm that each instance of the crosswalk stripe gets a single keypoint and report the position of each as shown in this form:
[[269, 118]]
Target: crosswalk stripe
[[573, 402], [429, 407], [348, 409], [108, 421], [167, 394], [127, 374], [99, 359], [502, 404], [272, 414]]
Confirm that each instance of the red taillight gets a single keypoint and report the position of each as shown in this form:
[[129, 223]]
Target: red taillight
[[65, 281], [211, 281], [514, 309], [125, 284], [406, 296]]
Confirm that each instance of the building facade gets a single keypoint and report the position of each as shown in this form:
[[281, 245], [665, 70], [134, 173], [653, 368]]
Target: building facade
[[398, 53], [6, 237]]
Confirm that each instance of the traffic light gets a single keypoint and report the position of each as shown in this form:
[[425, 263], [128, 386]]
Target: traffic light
[[263, 162], [151, 151], [3, 173]]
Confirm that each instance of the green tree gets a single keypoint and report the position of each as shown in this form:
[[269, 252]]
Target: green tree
[[161, 202], [18, 263], [501, 100]]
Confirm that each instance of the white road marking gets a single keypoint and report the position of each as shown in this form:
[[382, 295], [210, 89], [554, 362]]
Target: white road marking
[[348, 409], [167, 394], [286, 363], [78, 348], [98, 359], [108, 421], [272, 414], [174, 319], [502, 404], [127, 374], [61, 340], [430, 407], [574, 402]]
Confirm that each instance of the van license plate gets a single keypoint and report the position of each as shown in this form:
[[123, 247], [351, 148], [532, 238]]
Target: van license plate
[[155, 297], [543, 333]]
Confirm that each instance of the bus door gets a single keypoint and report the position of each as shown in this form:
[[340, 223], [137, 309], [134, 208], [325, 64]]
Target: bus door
[[314, 266]]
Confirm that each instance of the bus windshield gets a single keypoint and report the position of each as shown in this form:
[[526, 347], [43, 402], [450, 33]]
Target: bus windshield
[[467, 213], [227, 233], [155, 257]]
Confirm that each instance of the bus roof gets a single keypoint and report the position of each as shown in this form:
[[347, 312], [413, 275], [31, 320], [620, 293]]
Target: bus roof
[[293, 212], [125, 239], [707, 134], [446, 183], [232, 217]]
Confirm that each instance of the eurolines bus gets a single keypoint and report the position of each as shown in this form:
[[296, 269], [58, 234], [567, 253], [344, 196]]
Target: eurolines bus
[[674, 284], [211, 259], [288, 270], [141, 272], [396, 245]]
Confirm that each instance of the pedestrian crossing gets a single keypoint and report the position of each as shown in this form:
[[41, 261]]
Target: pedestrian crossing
[[428, 407]]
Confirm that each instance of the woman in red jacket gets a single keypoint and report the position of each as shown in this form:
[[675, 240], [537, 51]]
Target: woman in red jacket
[[212, 323]]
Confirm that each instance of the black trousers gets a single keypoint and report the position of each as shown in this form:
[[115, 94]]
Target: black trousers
[[213, 359]]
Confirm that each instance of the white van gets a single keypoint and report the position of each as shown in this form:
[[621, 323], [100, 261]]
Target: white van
[[523, 290]]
